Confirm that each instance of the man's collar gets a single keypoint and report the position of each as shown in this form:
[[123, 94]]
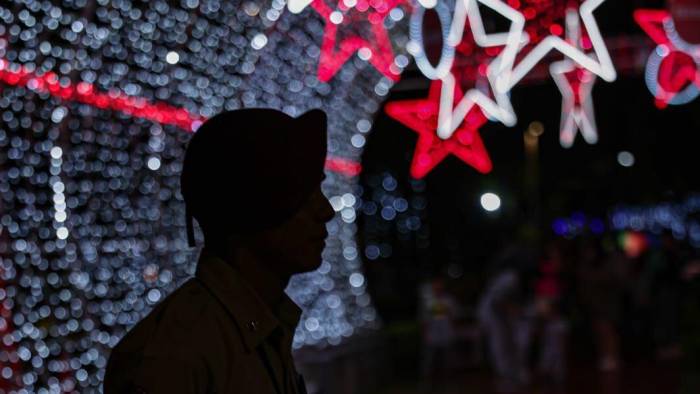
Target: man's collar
[[255, 320]]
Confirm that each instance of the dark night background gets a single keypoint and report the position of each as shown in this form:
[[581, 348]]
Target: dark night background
[[584, 178]]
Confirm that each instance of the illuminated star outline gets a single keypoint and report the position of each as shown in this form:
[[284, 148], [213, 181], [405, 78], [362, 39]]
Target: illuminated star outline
[[575, 114], [451, 115], [501, 109], [332, 58], [600, 63], [421, 116]]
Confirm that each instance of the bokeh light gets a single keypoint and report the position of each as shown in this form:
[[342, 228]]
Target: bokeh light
[[491, 202], [98, 102], [625, 159]]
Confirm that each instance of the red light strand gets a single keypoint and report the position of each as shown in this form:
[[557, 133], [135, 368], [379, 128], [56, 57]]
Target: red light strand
[[137, 107]]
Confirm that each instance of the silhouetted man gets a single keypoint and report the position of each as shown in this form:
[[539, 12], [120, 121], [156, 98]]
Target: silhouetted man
[[252, 179]]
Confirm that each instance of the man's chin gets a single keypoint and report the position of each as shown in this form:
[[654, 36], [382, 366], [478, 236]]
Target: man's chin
[[308, 265]]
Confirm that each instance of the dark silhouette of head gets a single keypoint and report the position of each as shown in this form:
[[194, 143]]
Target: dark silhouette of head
[[252, 178]]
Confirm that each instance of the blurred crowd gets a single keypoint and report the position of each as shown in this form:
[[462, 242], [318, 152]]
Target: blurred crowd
[[608, 300]]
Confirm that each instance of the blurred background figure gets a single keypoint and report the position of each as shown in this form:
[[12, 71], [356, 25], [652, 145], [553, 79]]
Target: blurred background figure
[[600, 293], [690, 326], [506, 314], [438, 313], [665, 273], [552, 324]]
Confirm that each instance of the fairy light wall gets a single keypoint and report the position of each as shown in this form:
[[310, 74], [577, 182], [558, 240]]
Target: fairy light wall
[[98, 99]]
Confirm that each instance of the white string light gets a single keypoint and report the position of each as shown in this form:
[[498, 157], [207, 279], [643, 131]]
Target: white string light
[[502, 72], [58, 187], [450, 115], [416, 46], [575, 116], [600, 63], [513, 39]]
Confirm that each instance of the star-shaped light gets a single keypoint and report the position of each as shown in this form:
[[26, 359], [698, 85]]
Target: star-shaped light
[[453, 25], [599, 62], [576, 84], [343, 36], [485, 46], [672, 72], [451, 114], [422, 116], [512, 40]]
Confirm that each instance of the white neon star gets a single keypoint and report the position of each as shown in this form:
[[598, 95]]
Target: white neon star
[[513, 39], [499, 107], [599, 64], [451, 115], [575, 116]]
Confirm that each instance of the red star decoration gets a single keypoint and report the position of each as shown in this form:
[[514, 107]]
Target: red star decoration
[[422, 116], [652, 22], [677, 69], [472, 60], [342, 40], [544, 18]]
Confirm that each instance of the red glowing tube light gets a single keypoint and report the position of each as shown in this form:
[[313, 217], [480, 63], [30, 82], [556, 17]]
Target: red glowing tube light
[[672, 72], [86, 93], [349, 168], [137, 107], [422, 116], [344, 36]]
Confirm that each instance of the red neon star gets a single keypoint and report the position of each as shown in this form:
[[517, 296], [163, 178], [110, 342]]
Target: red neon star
[[422, 116], [472, 60], [343, 37], [544, 17], [652, 22], [472, 63], [677, 69]]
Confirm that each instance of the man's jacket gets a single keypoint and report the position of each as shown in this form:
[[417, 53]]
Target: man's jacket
[[211, 335]]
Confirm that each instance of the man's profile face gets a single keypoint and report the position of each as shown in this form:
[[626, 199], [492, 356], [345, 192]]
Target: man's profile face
[[296, 245]]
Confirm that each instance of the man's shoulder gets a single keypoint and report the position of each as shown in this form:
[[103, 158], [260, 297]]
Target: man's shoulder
[[189, 330], [183, 318]]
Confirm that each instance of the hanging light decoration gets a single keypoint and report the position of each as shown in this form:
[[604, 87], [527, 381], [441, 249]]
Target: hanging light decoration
[[98, 100]]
